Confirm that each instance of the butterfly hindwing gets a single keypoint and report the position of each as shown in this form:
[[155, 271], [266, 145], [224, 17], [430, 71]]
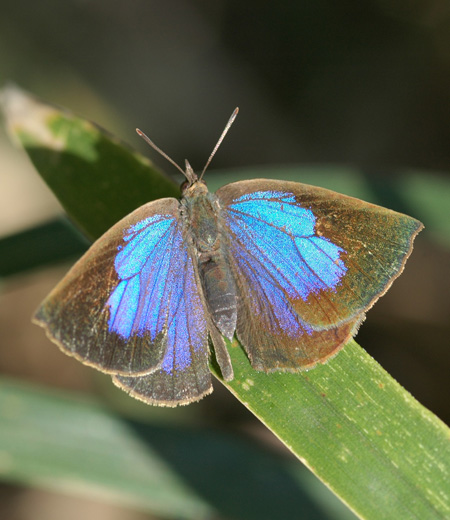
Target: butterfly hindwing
[[274, 335], [183, 375], [308, 264], [123, 306]]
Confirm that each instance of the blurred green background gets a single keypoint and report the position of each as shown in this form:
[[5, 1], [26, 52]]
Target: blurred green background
[[356, 84]]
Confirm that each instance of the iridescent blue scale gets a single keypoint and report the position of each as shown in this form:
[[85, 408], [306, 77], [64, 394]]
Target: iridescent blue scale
[[289, 269], [270, 225]]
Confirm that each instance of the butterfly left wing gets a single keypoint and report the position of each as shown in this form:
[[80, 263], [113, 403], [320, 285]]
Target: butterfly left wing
[[131, 305], [308, 262]]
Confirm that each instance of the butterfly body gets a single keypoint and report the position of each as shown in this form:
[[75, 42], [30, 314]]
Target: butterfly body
[[201, 214], [289, 269]]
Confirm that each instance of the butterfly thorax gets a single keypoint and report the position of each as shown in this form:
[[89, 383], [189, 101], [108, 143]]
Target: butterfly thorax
[[201, 210], [201, 213]]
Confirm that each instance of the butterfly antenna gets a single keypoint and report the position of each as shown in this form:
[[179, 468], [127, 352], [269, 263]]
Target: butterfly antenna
[[153, 145], [221, 138]]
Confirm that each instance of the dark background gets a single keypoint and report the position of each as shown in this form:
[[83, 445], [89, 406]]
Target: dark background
[[363, 84]]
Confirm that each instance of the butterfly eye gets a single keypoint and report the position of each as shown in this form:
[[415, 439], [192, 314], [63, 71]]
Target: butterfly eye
[[184, 186]]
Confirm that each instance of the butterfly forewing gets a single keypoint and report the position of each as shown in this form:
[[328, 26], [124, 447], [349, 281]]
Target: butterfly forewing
[[115, 310]]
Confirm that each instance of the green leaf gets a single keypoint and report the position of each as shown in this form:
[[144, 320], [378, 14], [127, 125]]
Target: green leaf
[[378, 449], [45, 244], [358, 430], [75, 445], [97, 178], [62, 442]]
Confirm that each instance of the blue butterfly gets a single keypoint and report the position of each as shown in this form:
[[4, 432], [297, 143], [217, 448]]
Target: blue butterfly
[[289, 268]]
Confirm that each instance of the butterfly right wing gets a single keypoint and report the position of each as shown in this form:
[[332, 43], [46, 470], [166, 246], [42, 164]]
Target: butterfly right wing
[[116, 309], [308, 263]]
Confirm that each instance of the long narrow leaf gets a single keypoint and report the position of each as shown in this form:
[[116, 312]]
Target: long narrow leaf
[[97, 178], [358, 430], [60, 441], [76, 446]]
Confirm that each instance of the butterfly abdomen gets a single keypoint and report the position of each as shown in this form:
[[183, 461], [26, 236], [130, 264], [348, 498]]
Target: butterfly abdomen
[[220, 293]]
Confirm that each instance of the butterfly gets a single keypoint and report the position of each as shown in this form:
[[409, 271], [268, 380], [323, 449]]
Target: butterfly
[[288, 268]]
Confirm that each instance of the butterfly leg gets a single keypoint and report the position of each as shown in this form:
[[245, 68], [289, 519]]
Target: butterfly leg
[[221, 352]]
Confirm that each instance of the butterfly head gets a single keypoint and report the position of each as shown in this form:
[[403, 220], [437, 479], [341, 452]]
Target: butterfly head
[[191, 178], [193, 182]]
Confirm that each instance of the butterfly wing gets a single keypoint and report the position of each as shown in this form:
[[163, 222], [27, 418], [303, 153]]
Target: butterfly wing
[[183, 375], [123, 307], [318, 259]]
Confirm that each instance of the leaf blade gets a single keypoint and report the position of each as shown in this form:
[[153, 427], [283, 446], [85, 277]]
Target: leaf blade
[[358, 430], [57, 440], [83, 164], [75, 445]]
